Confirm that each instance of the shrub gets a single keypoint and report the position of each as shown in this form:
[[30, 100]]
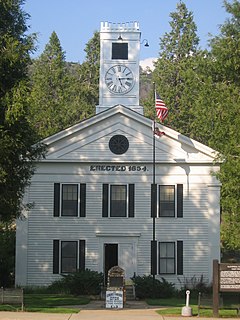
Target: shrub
[[147, 288], [195, 285], [85, 282]]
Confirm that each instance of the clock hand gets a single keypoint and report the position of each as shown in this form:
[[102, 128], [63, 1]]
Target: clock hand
[[120, 81]]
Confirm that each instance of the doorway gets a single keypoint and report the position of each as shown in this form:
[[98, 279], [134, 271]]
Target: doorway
[[110, 258]]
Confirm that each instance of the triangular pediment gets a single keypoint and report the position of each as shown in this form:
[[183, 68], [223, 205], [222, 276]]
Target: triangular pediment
[[88, 141]]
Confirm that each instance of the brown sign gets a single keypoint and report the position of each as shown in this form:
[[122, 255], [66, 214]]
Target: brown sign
[[229, 277]]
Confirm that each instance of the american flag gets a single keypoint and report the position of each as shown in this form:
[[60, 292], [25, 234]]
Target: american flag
[[161, 109]]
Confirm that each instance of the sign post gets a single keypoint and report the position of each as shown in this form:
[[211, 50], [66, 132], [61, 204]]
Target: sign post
[[226, 278], [215, 288]]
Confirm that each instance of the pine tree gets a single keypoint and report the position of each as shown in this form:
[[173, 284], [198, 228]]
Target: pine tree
[[49, 92], [174, 75]]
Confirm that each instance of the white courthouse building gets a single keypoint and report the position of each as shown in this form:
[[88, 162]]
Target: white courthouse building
[[91, 195]]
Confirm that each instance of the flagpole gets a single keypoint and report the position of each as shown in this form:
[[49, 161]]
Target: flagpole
[[154, 201]]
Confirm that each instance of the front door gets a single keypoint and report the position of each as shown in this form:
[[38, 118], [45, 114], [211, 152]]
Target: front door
[[110, 257], [127, 259]]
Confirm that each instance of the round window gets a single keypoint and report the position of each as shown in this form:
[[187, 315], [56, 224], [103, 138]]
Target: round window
[[118, 144]]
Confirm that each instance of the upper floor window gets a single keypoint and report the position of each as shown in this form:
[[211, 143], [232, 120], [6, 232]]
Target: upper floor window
[[166, 201], [118, 201], [69, 200], [120, 51]]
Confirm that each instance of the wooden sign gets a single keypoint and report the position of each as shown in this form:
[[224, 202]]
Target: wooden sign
[[229, 277]]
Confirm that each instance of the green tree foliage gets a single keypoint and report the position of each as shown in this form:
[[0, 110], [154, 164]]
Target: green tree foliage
[[7, 253], [174, 75], [201, 90], [226, 75], [49, 95], [62, 93], [17, 152]]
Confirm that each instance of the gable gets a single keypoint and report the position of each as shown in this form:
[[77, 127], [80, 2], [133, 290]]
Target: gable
[[89, 141]]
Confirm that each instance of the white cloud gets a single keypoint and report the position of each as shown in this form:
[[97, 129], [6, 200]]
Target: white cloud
[[147, 63]]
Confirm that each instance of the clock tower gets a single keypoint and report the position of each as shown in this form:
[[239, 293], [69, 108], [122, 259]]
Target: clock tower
[[119, 66]]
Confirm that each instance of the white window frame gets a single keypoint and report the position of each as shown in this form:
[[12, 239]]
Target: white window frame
[[60, 256], [127, 200], [78, 200], [175, 201]]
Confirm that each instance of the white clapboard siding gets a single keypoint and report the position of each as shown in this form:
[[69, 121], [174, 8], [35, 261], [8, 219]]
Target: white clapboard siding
[[73, 156]]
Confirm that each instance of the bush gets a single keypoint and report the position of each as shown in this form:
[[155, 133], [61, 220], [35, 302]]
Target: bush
[[195, 285], [85, 282], [147, 288]]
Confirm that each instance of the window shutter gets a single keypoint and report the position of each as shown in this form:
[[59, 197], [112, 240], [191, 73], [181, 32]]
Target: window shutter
[[153, 200], [179, 200], [179, 257], [153, 257], [82, 244], [55, 256], [56, 209], [105, 200], [83, 200], [131, 200]]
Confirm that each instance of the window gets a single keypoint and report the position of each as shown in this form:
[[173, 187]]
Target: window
[[170, 257], [166, 257], [118, 201], [120, 51], [166, 201], [68, 256], [69, 200]]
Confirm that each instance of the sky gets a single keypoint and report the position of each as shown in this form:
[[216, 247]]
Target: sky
[[75, 21]]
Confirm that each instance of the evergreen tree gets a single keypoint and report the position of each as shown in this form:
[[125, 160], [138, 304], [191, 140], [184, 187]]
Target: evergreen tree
[[63, 93], [49, 94], [17, 152], [174, 75]]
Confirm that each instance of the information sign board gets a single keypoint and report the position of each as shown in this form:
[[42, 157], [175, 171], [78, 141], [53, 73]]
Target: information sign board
[[114, 299], [229, 277]]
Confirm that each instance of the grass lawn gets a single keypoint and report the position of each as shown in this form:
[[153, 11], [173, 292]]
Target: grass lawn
[[173, 307], [51, 303]]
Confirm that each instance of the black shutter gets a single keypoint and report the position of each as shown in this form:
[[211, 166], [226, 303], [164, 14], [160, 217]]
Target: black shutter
[[56, 210], [82, 244], [105, 200], [55, 256], [179, 200], [131, 204], [153, 200], [83, 200], [153, 257], [179, 257]]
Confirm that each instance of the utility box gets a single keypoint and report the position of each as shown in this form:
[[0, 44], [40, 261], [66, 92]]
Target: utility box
[[115, 294]]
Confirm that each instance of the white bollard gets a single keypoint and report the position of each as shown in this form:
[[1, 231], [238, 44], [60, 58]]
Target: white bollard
[[187, 311]]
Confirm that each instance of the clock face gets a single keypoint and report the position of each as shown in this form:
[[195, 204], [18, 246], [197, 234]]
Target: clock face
[[119, 79]]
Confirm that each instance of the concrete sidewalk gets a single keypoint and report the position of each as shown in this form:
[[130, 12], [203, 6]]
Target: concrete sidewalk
[[95, 310]]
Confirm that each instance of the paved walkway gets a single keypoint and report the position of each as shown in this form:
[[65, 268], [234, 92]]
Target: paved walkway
[[95, 310]]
